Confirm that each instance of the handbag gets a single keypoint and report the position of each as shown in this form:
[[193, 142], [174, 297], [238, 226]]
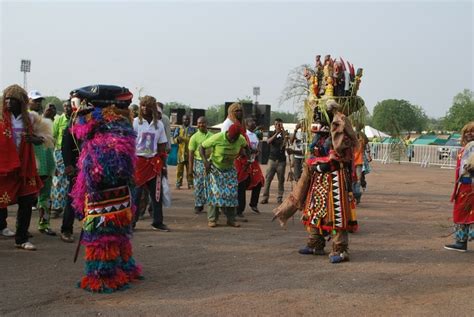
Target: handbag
[[166, 194]]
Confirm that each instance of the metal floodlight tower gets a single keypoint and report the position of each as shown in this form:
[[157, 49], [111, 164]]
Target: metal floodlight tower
[[25, 68], [256, 93]]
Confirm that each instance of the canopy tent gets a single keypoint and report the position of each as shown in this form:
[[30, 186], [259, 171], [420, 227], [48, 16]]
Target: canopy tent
[[217, 126], [429, 139], [372, 133]]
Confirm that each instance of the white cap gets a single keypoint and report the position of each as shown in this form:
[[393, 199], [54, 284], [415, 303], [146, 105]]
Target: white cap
[[35, 94]]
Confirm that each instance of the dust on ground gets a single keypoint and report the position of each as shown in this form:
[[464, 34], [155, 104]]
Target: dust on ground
[[398, 265]]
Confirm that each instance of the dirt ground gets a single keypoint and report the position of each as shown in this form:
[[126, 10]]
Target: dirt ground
[[398, 265]]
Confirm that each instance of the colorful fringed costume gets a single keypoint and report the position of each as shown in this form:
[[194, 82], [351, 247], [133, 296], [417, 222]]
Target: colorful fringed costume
[[324, 194], [101, 193], [324, 191]]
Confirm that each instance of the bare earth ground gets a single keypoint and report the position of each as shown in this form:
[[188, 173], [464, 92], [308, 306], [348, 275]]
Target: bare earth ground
[[398, 265]]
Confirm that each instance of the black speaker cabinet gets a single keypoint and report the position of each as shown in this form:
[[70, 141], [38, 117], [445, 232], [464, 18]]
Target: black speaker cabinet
[[176, 115], [195, 114], [261, 113], [264, 152]]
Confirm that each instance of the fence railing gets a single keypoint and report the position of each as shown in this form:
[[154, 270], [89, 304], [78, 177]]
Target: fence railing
[[425, 155]]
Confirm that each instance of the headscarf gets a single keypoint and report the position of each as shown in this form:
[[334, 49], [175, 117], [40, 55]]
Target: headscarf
[[18, 93], [234, 131], [149, 101], [468, 127], [230, 112]]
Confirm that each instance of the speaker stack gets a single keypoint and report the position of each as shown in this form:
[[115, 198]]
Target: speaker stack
[[261, 113]]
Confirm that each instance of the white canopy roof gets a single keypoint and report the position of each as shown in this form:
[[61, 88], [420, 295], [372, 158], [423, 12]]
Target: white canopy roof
[[373, 132]]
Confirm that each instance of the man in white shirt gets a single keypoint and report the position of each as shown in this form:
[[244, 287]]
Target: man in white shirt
[[151, 158], [253, 178], [297, 140]]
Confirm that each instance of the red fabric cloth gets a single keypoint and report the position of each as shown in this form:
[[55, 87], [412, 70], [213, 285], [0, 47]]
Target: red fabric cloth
[[18, 173], [246, 169], [463, 198], [147, 168], [234, 130], [12, 186], [9, 160]]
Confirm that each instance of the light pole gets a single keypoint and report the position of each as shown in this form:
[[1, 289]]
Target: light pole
[[25, 68], [256, 93]]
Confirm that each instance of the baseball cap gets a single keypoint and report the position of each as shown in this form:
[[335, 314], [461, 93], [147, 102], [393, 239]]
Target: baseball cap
[[35, 94]]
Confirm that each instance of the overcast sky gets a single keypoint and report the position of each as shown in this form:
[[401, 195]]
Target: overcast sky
[[206, 53]]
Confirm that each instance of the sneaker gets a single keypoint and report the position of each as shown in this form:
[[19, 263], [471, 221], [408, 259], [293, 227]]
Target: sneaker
[[8, 233], [48, 231], [67, 237], [26, 246], [264, 201], [338, 257], [161, 227], [233, 224], [241, 217], [307, 250], [255, 209], [212, 224], [457, 246]]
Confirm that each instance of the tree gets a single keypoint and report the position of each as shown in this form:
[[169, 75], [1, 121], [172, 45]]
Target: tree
[[394, 116], [215, 114], [175, 105], [55, 101], [435, 124], [287, 117], [461, 112], [297, 87]]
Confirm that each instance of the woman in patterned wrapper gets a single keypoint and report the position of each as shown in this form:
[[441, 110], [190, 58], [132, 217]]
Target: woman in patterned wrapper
[[463, 195], [323, 192]]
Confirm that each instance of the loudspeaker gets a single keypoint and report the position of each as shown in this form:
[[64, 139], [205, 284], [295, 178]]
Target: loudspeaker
[[176, 115], [264, 152], [195, 114], [261, 113]]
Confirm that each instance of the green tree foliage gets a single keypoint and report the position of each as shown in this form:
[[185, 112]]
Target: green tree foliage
[[394, 116], [56, 101], [287, 117], [175, 105], [461, 112], [215, 114], [435, 124]]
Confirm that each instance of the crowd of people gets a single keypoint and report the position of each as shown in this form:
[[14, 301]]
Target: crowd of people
[[106, 163]]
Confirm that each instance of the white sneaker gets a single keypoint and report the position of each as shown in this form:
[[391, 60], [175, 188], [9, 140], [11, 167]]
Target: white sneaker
[[8, 233], [26, 246]]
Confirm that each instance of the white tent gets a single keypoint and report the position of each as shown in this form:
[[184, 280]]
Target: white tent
[[372, 133], [217, 126]]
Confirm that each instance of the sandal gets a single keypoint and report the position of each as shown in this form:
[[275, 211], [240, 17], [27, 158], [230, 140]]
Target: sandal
[[48, 231], [26, 246]]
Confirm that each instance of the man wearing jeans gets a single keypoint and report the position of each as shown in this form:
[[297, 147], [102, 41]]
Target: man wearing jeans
[[70, 154], [277, 161]]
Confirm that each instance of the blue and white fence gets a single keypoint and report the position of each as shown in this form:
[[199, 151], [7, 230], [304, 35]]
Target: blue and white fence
[[425, 155]]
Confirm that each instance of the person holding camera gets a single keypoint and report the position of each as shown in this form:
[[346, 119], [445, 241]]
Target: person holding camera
[[277, 161]]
